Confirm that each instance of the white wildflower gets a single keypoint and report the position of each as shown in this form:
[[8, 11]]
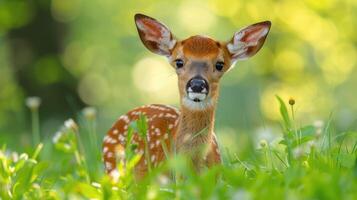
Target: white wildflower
[[319, 123], [152, 193], [24, 156], [242, 194], [263, 143], [15, 156], [36, 185], [71, 124], [89, 113], [33, 102], [298, 152], [97, 185], [11, 169], [115, 175], [67, 146], [311, 144], [264, 134], [163, 180], [57, 136]]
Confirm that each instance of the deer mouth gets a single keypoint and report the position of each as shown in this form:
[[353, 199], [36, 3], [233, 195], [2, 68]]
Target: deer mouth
[[197, 96], [197, 100]]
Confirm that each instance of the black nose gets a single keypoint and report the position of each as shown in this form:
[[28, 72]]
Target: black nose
[[197, 85]]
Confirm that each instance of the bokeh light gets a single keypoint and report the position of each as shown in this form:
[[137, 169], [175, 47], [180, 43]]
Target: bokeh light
[[75, 53], [156, 79]]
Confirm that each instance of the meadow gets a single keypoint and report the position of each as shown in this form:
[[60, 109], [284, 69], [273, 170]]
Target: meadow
[[286, 119], [307, 162]]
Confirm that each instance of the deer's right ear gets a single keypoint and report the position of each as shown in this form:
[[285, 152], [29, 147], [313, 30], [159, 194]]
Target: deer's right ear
[[155, 35]]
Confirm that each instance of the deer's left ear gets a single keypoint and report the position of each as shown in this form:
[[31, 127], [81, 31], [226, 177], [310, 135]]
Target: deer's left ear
[[248, 41]]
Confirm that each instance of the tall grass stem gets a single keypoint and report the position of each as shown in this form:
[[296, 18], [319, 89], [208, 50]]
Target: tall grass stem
[[36, 138]]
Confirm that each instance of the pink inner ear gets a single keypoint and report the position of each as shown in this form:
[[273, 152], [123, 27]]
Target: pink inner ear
[[151, 29], [252, 34]]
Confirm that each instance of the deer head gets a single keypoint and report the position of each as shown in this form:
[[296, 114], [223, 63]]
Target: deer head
[[200, 61]]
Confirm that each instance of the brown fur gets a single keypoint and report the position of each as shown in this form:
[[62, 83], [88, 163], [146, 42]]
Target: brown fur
[[200, 46], [152, 113]]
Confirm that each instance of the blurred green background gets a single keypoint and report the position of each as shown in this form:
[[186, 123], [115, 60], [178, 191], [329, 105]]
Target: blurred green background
[[76, 53]]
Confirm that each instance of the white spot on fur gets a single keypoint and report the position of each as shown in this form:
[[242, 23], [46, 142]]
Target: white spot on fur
[[113, 141], [141, 152], [105, 149], [121, 138], [157, 131], [125, 118], [110, 140], [152, 146], [153, 157], [108, 165], [110, 154]]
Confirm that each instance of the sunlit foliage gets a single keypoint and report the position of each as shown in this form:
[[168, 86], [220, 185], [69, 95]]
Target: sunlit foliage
[[74, 53]]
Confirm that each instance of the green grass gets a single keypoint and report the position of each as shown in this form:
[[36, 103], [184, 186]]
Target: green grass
[[309, 162]]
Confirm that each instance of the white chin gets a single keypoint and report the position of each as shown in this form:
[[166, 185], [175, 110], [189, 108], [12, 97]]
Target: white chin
[[197, 97], [197, 101]]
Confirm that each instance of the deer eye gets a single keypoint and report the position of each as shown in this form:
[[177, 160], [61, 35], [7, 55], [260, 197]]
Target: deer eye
[[179, 63], [219, 65]]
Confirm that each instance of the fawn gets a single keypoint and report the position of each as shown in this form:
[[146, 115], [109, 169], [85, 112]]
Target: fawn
[[200, 62]]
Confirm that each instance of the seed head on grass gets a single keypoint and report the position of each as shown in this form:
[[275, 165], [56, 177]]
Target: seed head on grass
[[70, 124], [66, 138], [24, 156], [57, 137], [90, 113], [319, 124], [291, 101], [263, 144], [163, 180], [33, 103], [96, 185], [298, 152], [14, 156]]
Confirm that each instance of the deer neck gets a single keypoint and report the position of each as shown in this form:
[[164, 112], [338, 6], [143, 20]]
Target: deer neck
[[195, 127]]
